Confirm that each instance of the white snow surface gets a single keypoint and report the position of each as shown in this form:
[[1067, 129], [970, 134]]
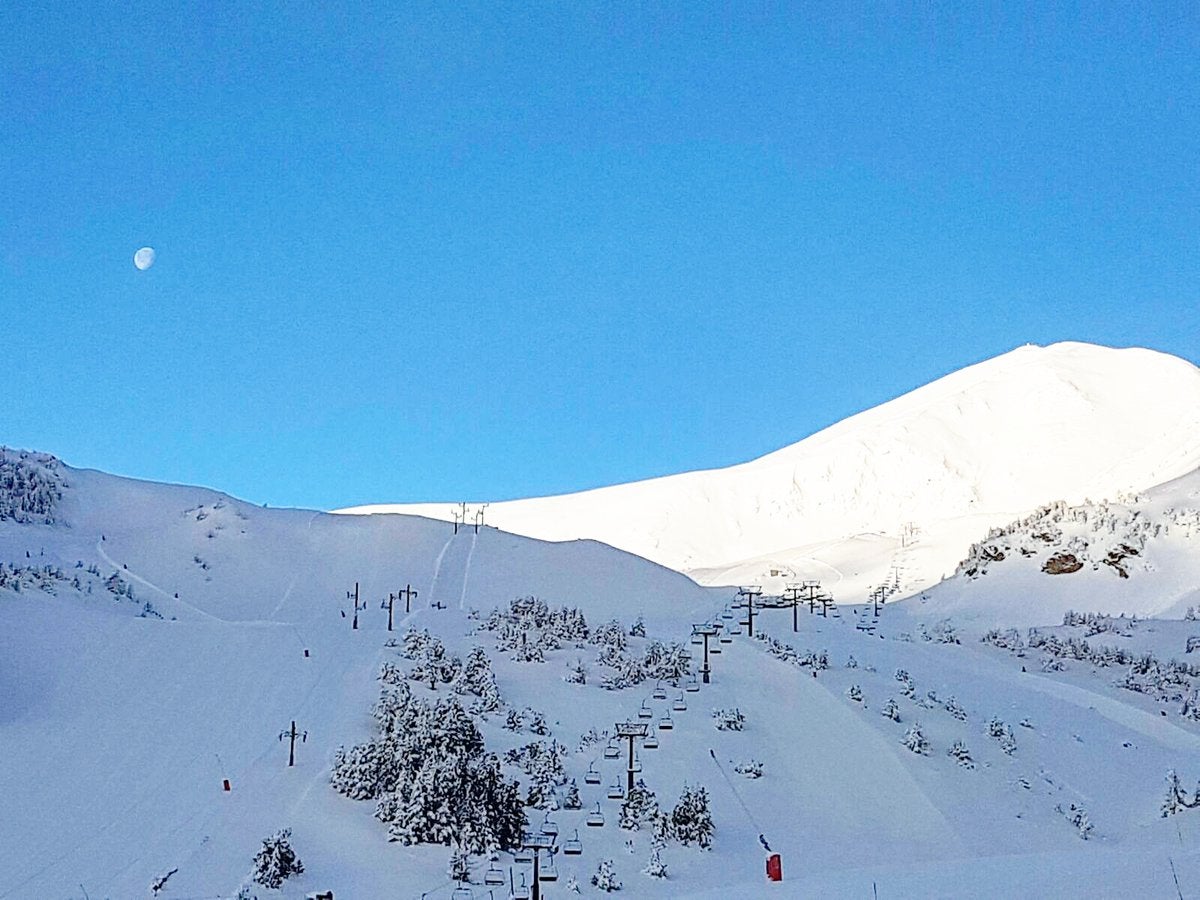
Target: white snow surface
[[116, 731], [975, 449]]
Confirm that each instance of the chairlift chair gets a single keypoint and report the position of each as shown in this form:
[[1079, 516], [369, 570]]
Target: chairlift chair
[[716, 648], [651, 740], [680, 705], [697, 640], [727, 613], [637, 763], [573, 846], [494, 875], [548, 871], [693, 685], [591, 776], [666, 723], [520, 891], [522, 857], [549, 826], [612, 751], [595, 818], [616, 791], [660, 692], [462, 893], [645, 712]]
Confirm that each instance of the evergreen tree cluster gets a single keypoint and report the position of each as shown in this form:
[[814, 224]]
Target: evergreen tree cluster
[[729, 719], [691, 820], [542, 762], [1003, 733], [530, 628], [640, 807], [809, 659], [31, 485], [430, 776], [52, 579]]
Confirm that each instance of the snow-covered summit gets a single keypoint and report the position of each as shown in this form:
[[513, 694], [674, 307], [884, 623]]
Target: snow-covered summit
[[974, 449]]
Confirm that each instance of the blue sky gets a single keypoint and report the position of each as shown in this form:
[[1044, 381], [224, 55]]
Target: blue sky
[[488, 251]]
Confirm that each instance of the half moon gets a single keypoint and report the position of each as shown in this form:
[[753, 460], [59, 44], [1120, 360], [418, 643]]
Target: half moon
[[144, 258]]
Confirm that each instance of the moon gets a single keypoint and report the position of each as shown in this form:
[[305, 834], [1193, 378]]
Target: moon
[[144, 258]]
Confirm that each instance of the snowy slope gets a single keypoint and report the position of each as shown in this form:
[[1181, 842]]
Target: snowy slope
[[974, 449], [117, 730], [1138, 555]]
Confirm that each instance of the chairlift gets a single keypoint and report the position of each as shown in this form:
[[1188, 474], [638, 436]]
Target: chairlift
[[692, 686], [612, 751], [522, 857], [680, 705], [548, 871], [645, 712], [637, 763], [595, 818], [727, 613], [549, 826], [697, 639], [660, 692], [716, 648], [651, 740], [462, 893], [520, 892], [494, 875], [616, 791], [666, 723], [591, 776], [573, 846]]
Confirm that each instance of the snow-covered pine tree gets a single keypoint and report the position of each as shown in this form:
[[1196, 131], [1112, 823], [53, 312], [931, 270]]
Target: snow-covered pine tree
[[576, 673], [955, 709], [890, 710], [915, 740], [571, 798], [1177, 798], [276, 861], [605, 877], [959, 752], [639, 807], [638, 628], [854, 692], [691, 819], [655, 867], [751, 768]]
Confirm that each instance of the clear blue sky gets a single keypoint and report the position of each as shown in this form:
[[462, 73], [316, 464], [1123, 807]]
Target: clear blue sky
[[496, 250]]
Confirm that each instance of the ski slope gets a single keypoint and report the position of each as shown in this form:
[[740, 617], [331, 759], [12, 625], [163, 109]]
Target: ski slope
[[969, 451], [118, 730]]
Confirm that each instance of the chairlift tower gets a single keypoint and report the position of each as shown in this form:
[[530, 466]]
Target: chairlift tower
[[748, 594], [791, 595], [537, 843], [291, 734], [706, 630], [357, 605], [630, 731]]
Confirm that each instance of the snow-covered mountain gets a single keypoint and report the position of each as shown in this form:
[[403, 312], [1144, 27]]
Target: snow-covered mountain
[[918, 478], [156, 641]]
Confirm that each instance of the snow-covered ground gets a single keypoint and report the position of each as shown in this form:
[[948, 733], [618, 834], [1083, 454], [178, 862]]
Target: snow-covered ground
[[118, 729]]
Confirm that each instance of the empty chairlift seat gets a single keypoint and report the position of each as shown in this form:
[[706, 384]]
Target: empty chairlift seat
[[612, 751], [645, 712], [573, 846], [616, 791], [549, 826], [494, 875], [660, 692], [666, 723], [680, 705], [591, 776], [595, 818], [651, 741]]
